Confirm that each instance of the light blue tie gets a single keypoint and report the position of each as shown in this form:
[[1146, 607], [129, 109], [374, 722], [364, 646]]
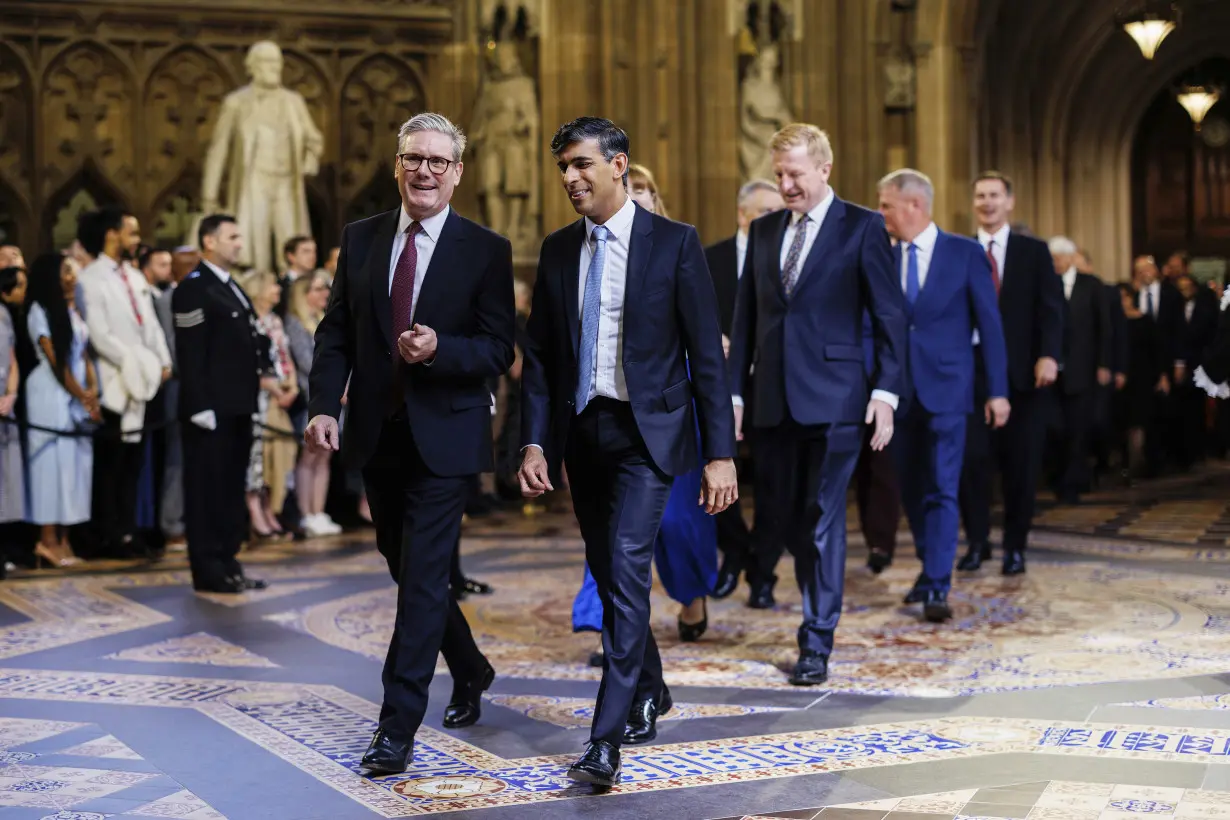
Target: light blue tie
[[911, 274], [588, 353]]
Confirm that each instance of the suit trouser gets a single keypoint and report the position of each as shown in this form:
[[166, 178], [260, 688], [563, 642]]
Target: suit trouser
[[117, 471], [802, 475], [619, 496], [1073, 450], [1190, 444], [215, 481], [418, 522], [1016, 451], [928, 449], [879, 496]]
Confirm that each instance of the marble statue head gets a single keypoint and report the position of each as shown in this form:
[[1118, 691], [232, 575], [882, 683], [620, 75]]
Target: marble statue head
[[264, 64]]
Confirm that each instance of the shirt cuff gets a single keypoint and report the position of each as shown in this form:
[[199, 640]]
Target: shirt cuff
[[205, 419], [537, 447], [737, 401], [888, 398]]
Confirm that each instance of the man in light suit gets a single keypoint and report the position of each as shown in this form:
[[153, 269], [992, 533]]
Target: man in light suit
[[949, 293], [811, 272], [622, 343]]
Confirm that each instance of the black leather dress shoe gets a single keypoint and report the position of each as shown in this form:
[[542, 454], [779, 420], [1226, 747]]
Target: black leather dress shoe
[[386, 755], [727, 580], [466, 706], [761, 597], [227, 586], [916, 593], [978, 552], [935, 607], [474, 587], [690, 633], [250, 583], [811, 670], [1014, 563], [643, 719], [597, 660], [878, 561], [599, 766]]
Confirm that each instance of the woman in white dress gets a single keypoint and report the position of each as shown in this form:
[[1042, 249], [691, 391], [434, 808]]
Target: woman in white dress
[[61, 394]]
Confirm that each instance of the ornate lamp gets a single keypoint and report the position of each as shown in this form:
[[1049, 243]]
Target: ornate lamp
[[1197, 100], [1151, 24]]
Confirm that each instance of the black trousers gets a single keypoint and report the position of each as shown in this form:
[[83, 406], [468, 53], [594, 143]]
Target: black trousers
[[1072, 447], [215, 480], [1016, 452], [418, 522], [878, 495], [117, 470], [1190, 442], [619, 496]]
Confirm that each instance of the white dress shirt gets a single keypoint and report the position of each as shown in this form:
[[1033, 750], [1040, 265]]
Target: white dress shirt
[[1142, 301], [740, 253], [816, 221], [1069, 282], [924, 245], [425, 242], [608, 379]]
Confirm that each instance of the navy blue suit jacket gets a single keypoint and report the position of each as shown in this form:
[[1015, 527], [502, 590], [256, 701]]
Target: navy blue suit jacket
[[958, 296], [670, 321], [808, 350], [466, 298]]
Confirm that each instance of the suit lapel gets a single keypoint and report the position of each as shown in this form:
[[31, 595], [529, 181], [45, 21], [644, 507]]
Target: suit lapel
[[569, 267], [443, 259], [638, 254], [774, 251], [935, 281], [376, 273], [830, 229]]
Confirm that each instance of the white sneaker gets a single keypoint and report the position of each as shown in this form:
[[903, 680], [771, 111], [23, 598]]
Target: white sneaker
[[320, 525], [334, 527]]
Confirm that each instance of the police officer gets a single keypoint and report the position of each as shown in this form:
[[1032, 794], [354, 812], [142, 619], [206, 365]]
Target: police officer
[[221, 358]]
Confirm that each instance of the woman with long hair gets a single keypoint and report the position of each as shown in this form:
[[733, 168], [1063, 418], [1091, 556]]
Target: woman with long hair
[[685, 551], [273, 454], [61, 394], [12, 468], [309, 296]]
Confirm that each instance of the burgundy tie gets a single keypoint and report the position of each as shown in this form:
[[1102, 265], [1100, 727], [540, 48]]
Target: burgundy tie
[[401, 294], [994, 264]]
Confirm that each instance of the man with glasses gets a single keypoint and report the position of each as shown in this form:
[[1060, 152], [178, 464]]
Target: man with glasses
[[420, 317]]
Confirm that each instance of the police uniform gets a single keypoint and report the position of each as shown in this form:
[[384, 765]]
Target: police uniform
[[221, 356]]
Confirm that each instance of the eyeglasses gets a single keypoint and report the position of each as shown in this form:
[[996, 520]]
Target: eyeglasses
[[412, 162]]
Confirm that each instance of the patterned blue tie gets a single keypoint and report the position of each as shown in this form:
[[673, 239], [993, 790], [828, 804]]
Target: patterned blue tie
[[911, 274], [588, 354]]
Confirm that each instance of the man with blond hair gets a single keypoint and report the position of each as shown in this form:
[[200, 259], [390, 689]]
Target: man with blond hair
[[811, 272], [949, 293]]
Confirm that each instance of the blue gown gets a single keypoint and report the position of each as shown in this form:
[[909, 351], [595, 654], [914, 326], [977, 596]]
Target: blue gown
[[685, 552]]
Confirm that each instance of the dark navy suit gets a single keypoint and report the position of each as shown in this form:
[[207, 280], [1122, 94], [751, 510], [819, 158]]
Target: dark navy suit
[[811, 391], [622, 457], [957, 297]]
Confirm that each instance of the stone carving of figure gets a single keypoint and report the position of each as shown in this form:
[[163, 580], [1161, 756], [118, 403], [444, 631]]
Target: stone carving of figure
[[265, 144], [899, 79], [505, 138], [762, 113]]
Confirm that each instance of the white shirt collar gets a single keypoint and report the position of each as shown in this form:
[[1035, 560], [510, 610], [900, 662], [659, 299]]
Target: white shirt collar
[[926, 240], [817, 213], [740, 239], [431, 226], [620, 224], [221, 274], [1000, 237]]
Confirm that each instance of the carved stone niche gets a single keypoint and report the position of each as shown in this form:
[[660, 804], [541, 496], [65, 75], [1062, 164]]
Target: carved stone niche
[[900, 82]]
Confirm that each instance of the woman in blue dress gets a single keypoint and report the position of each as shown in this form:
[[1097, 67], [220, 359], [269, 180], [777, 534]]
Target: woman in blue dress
[[685, 550], [61, 394]]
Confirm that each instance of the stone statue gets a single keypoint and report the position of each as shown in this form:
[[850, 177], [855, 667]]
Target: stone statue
[[762, 112], [899, 83], [504, 133], [267, 144]]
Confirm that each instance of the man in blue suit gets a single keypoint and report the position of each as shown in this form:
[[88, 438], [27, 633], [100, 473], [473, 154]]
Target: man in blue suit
[[623, 308], [810, 272], [949, 292]]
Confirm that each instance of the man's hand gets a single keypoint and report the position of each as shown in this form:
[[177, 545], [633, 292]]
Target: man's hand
[[533, 473], [1180, 373], [1120, 380], [166, 375], [997, 411], [1162, 386], [1046, 371], [1103, 376], [288, 397], [321, 435], [719, 485], [881, 415], [738, 422], [418, 344], [725, 345]]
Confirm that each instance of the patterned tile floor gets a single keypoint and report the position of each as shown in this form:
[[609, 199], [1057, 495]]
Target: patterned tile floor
[[1091, 689]]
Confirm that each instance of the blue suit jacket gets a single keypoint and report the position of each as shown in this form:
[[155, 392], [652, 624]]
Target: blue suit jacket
[[958, 296], [670, 323], [808, 349]]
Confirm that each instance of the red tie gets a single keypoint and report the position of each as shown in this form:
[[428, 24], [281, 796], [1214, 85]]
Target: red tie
[[401, 294], [994, 265], [132, 296]]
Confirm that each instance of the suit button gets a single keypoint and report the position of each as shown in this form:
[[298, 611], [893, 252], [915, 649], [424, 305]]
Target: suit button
[[570, 402]]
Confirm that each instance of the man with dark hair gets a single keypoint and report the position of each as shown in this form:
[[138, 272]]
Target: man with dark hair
[[623, 309], [221, 356], [132, 361], [299, 257], [1032, 308], [157, 265]]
